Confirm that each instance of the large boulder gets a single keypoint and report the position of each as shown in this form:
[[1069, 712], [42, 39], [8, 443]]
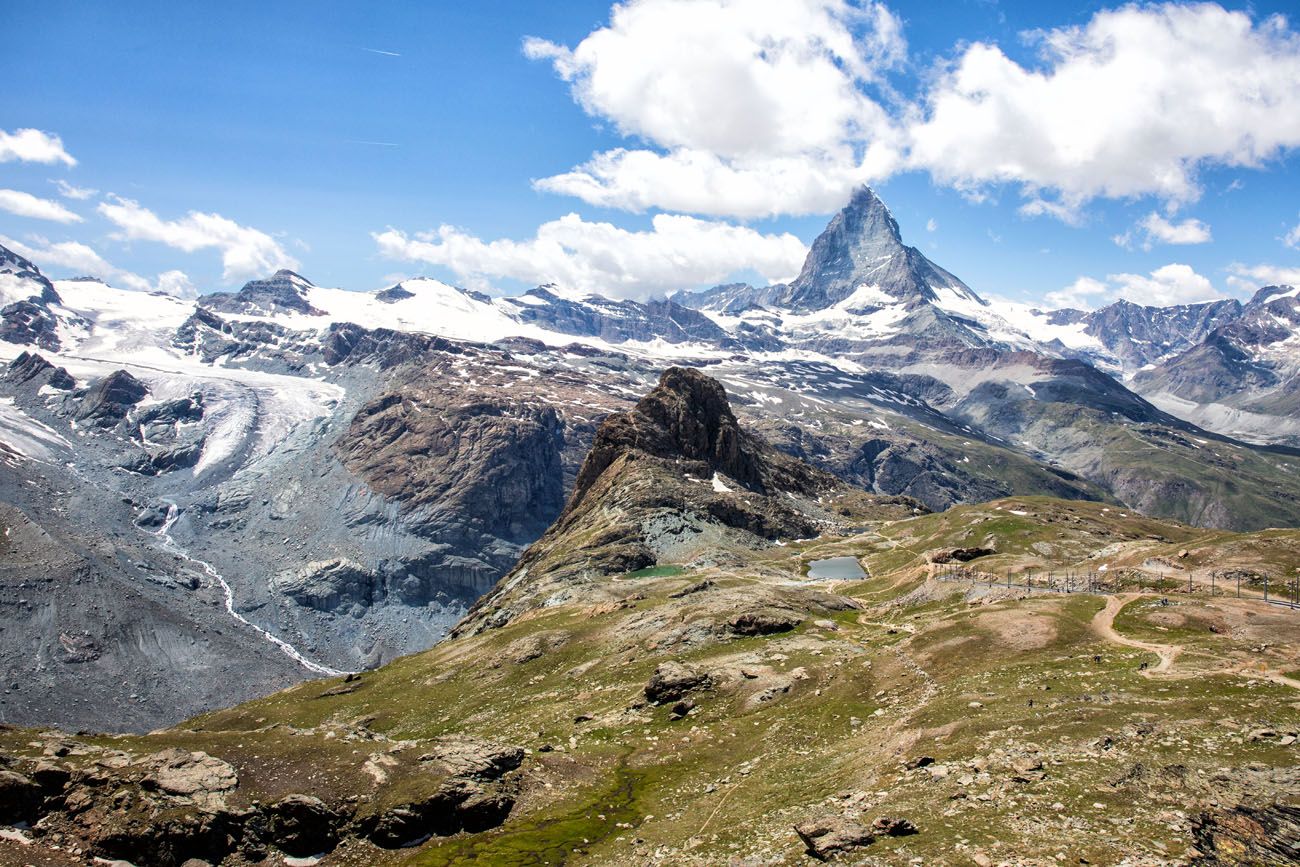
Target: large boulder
[[193, 776], [673, 680], [829, 836], [475, 758]]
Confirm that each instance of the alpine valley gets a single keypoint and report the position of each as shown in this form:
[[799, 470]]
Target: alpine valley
[[424, 576]]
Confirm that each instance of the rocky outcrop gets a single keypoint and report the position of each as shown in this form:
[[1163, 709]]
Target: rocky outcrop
[[327, 585], [33, 371], [175, 805], [1247, 834], [28, 323], [687, 416], [25, 299], [108, 401], [194, 777], [494, 462]]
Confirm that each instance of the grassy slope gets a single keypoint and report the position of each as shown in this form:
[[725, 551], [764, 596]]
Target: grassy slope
[[976, 683]]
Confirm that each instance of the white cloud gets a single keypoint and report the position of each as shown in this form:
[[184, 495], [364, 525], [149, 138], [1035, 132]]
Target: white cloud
[[1165, 286], [678, 252], [68, 191], [756, 108], [245, 251], [1132, 103], [83, 261], [27, 205], [176, 283], [734, 77], [1040, 207], [931, 225], [748, 108], [33, 146], [1083, 294], [1248, 278], [1292, 238], [1155, 229], [700, 182]]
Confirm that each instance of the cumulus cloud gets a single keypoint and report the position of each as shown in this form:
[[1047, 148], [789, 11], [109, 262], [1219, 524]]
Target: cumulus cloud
[[33, 146], [1132, 103], [1248, 278], [245, 251], [700, 182], [747, 108], [83, 261], [27, 205], [752, 108], [1154, 229], [677, 252], [1165, 286], [68, 191]]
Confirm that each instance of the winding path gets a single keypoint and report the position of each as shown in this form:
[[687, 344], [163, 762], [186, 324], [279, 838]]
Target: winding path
[[1104, 625]]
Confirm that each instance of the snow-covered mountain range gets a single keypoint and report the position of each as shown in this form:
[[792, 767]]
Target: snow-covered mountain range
[[227, 494]]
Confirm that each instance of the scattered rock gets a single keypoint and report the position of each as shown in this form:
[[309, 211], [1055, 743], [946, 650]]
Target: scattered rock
[[681, 708], [959, 555], [892, 827], [689, 589]]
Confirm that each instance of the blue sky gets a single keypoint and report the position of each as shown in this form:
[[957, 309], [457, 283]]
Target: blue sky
[[223, 140]]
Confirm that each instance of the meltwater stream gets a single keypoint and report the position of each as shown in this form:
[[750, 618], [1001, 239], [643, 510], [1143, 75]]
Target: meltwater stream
[[173, 514]]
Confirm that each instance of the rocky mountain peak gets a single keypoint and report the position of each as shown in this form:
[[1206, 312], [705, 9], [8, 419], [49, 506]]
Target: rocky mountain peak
[[856, 241], [863, 247], [686, 415], [1271, 294], [11, 261], [284, 290]]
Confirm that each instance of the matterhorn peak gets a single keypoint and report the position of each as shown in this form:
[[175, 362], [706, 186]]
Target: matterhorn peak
[[862, 246]]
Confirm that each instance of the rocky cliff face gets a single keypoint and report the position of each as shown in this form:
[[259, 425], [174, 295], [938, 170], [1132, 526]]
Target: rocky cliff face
[[1139, 334]]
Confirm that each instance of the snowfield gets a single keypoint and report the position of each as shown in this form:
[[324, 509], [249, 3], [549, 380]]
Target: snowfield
[[25, 437]]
